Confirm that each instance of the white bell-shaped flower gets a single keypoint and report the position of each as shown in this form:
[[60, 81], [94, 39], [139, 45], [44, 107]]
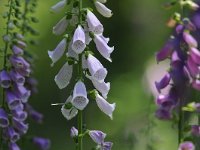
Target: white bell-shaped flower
[[58, 52], [102, 46], [78, 44], [80, 99], [96, 69], [94, 24], [102, 87], [71, 52], [104, 106], [103, 10], [88, 39], [69, 113], [58, 6], [61, 26], [64, 76]]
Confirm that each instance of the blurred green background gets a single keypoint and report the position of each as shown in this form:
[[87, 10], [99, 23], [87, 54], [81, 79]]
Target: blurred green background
[[137, 30]]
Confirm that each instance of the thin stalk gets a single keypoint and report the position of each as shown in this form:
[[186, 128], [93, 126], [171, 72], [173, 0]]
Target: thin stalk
[[180, 123], [80, 74], [5, 63]]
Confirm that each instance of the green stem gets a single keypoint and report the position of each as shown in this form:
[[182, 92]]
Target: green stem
[[180, 123], [80, 73], [5, 65], [80, 130]]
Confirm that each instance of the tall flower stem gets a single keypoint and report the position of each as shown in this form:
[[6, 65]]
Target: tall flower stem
[[80, 74], [5, 64], [180, 122]]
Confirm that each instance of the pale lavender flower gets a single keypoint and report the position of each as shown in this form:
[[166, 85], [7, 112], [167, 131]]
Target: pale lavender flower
[[22, 92], [21, 44], [13, 146], [88, 39], [5, 80], [19, 114], [11, 134], [78, 44], [103, 47], [20, 126], [195, 130], [195, 55], [80, 99], [167, 50], [103, 10], [73, 132], [69, 113], [6, 38], [186, 146], [102, 87], [104, 106], [4, 122], [107, 146], [64, 76], [17, 50], [190, 40], [61, 26], [41, 143], [196, 84], [192, 67], [17, 78], [19, 62], [96, 69], [12, 100], [58, 6], [164, 82], [94, 24], [58, 52], [97, 136], [163, 114], [71, 52]]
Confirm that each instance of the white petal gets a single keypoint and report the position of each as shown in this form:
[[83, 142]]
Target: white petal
[[102, 87], [58, 51], [97, 136], [104, 106], [102, 1], [71, 52], [59, 6], [69, 113], [103, 10], [61, 26], [102, 46], [78, 44], [94, 24], [96, 69], [80, 99], [64, 76]]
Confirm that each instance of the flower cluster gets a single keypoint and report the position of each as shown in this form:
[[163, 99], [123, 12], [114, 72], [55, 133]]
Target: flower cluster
[[183, 73], [182, 76], [80, 27], [15, 109]]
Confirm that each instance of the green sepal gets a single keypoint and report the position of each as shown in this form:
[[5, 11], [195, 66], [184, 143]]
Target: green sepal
[[93, 93], [68, 106]]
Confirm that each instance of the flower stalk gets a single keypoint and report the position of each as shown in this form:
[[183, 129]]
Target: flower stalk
[[85, 28]]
